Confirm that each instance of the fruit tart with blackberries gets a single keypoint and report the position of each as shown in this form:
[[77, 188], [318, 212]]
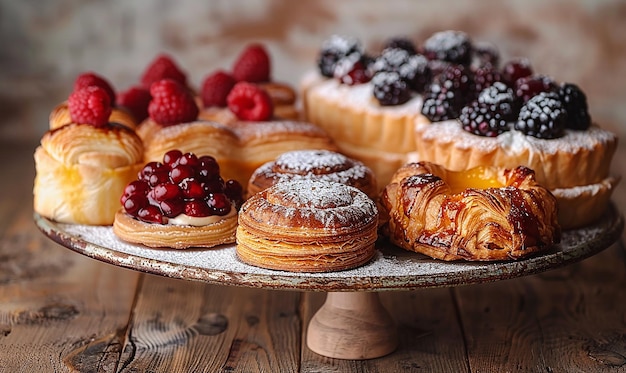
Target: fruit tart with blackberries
[[368, 102], [179, 202], [478, 113], [83, 163]]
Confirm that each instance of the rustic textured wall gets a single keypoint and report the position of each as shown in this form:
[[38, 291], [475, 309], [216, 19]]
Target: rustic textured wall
[[46, 44]]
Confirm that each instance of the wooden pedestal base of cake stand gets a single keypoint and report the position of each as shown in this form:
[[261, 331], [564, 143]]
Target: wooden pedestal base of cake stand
[[352, 325]]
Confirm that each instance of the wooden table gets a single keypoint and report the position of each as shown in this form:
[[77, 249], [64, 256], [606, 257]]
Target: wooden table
[[61, 311]]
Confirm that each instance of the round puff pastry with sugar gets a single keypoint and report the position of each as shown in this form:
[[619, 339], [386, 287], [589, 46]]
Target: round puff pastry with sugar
[[482, 214], [307, 226], [314, 164]]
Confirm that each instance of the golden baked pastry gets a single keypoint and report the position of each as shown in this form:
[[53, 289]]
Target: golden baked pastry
[[575, 167], [379, 136], [81, 171], [315, 165], [482, 214], [240, 147], [60, 116], [175, 236], [307, 226], [179, 203]]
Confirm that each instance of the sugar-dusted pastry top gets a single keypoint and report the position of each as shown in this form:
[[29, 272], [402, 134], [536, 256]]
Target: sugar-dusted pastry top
[[314, 164], [307, 205]]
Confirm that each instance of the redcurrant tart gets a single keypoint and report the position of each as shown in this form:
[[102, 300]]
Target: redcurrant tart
[[180, 202]]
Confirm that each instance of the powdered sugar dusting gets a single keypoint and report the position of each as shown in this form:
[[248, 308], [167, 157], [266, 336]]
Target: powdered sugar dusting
[[515, 142], [391, 268], [360, 97], [251, 130], [313, 164]]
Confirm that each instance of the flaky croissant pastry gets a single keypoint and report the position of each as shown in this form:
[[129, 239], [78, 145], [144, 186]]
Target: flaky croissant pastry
[[81, 171], [60, 116], [485, 213], [307, 226]]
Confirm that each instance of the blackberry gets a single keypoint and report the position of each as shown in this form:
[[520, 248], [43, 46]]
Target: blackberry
[[543, 116], [448, 93], [391, 59], [485, 54], [352, 69], [452, 46], [390, 88], [530, 86], [457, 78], [416, 72], [400, 42], [437, 66], [500, 99], [575, 103], [482, 120], [515, 69], [441, 104], [334, 49], [485, 76]]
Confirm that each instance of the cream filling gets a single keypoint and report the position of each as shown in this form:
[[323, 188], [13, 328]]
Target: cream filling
[[196, 221]]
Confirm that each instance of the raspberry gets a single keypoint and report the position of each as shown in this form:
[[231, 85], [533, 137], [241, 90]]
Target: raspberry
[[89, 78], [253, 65], [136, 100], [451, 46], [400, 42], [250, 102], [216, 87], [90, 105], [171, 103], [481, 120], [575, 103], [390, 88], [163, 67], [543, 116], [334, 49]]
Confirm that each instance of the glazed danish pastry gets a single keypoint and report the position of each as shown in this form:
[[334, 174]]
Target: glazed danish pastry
[[481, 214], [307, 226], [314, 164], [82, 171]]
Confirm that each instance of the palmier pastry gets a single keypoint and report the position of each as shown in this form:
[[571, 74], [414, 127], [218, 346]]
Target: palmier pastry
[[240, 148], [307, 226], [81, 171], [481, 214], [179, 203], [314, 164]]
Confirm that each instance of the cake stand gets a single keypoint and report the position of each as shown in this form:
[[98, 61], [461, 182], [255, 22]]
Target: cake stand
[[352, 323]]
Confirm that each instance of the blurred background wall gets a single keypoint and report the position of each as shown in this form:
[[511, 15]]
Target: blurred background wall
[[44, 45]]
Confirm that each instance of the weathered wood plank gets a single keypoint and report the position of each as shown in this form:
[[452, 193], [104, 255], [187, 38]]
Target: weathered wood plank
[[181, 326], [567, 320], [59, 311], [430, 337]]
